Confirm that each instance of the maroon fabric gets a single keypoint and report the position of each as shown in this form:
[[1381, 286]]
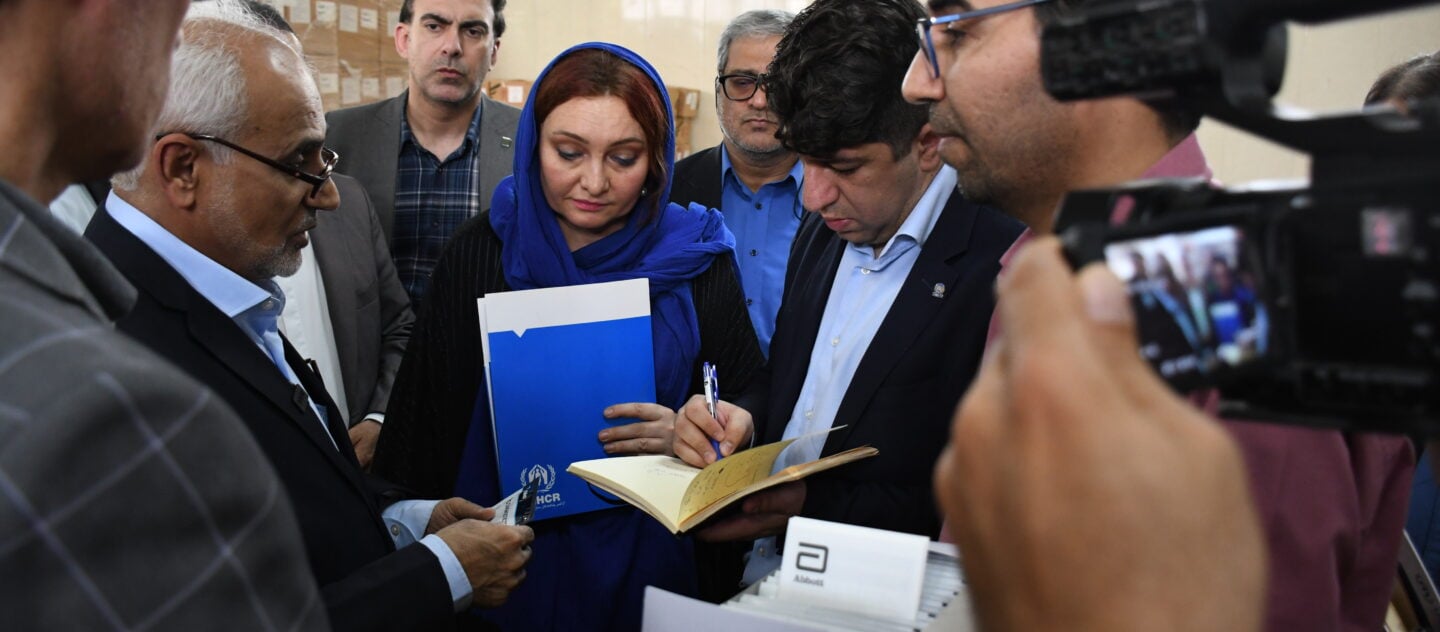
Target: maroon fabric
[[1332, 504]]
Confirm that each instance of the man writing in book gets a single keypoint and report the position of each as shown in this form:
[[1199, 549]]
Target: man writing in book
[[889, 289], [234, 176]]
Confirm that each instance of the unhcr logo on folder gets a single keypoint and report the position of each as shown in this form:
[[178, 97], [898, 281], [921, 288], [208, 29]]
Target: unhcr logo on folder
[[545, 474]]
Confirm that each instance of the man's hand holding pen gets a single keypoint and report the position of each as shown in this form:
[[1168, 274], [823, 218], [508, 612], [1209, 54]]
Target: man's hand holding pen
[[695, 427]]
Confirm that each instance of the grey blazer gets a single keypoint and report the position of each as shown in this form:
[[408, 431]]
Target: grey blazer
[[130, 496], [369, 309], [367, 138]]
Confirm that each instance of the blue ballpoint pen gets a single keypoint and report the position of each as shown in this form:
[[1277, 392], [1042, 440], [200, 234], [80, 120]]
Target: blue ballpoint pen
[[712, 398]]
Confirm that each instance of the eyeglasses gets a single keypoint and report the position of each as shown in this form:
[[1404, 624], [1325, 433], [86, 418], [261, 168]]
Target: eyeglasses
[[740, 86], [923, 26], [328, 158]]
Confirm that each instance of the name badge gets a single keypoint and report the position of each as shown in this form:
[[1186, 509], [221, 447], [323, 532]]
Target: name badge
[[855, 569]]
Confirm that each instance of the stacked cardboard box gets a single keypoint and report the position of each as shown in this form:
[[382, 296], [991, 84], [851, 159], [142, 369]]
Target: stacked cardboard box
[[350, 44], [394, 71], [509, 91], [358, 28], [686, 104]]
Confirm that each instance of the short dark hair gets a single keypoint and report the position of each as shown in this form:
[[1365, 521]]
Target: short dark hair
[[1417, 78], [835, 81], [1179, 119], [269, 15], [595, 72], [407, 12]]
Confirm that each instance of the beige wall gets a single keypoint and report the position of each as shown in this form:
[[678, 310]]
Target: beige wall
[[677, 36], [1331, 66]]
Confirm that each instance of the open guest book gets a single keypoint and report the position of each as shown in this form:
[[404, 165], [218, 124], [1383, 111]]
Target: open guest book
[[682, 496]]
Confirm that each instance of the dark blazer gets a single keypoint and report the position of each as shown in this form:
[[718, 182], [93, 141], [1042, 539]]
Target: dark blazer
[[369, 309], [365, 582], [114, 510], [906, 387], [697, 179], [367, 138]]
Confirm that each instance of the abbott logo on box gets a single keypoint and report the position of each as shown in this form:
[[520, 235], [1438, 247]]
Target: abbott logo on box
[[812, 557], [853, 569]]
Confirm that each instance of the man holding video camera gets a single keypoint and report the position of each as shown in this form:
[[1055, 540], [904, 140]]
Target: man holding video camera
[[1331, 504]]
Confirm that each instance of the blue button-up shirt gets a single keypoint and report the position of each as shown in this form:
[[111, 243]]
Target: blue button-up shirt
[[250, 306], [764, 223], [432, 198]]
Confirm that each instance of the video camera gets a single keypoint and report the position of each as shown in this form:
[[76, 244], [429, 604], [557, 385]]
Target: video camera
[[1314, 305]]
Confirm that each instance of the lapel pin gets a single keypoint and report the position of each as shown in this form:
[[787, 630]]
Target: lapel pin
[[938, 291], [506, 142]]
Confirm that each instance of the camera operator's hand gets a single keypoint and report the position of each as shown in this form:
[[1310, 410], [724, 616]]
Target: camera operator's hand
[[1083, 493]]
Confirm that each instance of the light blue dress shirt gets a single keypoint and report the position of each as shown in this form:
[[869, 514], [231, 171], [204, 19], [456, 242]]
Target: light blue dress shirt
[[254, 309], [764, 223], [865, 286]]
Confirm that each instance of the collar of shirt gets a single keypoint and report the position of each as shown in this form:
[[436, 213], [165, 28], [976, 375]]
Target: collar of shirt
[[231, 293], [729, 179], [1185, 160], [916, 228], [472, 133]]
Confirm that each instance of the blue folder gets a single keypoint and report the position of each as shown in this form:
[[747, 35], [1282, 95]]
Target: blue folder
[[556, 358]]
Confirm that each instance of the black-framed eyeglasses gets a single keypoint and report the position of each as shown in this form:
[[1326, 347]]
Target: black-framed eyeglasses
[[923, 26], [740, 86], [328, 158]]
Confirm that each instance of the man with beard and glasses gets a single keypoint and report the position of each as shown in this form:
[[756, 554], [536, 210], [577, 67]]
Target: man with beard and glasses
[[221, 205], [751, 177], [1331, 504], [431, 157]]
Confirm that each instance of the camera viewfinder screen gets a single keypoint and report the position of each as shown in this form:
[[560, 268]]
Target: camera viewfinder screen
[[1196, 300]]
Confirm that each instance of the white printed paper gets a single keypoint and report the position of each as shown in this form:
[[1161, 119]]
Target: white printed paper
[[394, 86], [350, 91], [349, 18], [299, 11], [328, 82], [325, 12]]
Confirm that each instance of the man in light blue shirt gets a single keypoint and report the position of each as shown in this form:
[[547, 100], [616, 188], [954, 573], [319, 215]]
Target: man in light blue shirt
[[889, 290], [751, 177], [221, 205]]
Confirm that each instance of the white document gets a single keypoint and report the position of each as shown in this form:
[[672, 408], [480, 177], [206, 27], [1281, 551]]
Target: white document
[[667, 611]]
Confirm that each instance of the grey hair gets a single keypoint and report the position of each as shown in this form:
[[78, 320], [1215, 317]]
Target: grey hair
[[207, 92], [757, 23]]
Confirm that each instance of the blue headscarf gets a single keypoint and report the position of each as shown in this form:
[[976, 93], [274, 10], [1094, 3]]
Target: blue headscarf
[[679, 244]]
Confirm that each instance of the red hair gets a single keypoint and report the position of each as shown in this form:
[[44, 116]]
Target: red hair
[[593, 72]]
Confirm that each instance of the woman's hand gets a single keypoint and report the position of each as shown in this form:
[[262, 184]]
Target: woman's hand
[[653, 434]]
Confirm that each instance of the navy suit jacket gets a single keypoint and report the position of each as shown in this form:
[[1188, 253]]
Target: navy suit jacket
[[697, 179], [365, 582], [905, 389]]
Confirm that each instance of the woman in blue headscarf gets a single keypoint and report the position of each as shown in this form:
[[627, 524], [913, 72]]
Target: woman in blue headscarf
[[588, 202]]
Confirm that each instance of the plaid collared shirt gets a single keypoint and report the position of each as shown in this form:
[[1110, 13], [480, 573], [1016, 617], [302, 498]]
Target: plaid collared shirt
[[432, 198]]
